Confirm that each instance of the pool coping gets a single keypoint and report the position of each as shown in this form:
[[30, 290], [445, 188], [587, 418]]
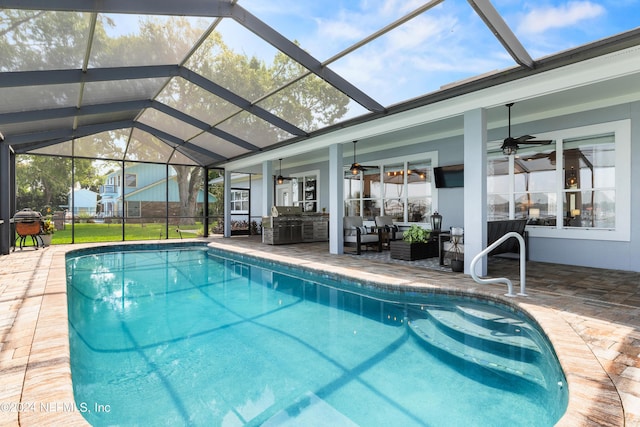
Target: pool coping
[[593, 398]]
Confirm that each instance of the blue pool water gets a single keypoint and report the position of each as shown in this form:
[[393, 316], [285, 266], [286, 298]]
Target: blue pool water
[[192, 337]]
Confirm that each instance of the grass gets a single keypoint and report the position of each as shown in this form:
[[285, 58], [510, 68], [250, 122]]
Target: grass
[[88, 232]]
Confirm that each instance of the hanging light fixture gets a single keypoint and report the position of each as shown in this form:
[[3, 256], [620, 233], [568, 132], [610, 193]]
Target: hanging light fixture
[[572, 181], [280, 179]]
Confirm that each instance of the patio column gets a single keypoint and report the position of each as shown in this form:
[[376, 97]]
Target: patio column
[[336, 199], [267, 187], [227, 203], [475, 188]]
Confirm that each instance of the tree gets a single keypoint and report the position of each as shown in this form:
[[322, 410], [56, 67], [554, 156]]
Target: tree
[[33, 40], [189, 179], [43, 182]]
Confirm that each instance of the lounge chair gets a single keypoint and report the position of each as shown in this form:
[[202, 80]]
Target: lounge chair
[[386, 223], [357, 234]]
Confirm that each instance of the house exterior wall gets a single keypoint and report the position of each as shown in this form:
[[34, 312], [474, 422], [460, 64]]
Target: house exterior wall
[[157, 212], [84, 201], [621, 255], [151, 190], [599, 253]]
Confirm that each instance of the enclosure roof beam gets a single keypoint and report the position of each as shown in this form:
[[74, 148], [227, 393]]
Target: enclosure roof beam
[[238, 101], [58, 113], [207, 8], [27, 147], [28, 142], [289, 48], [53, 77], [202, 8], [203, 126], [57, 77], [67, 133], [113, 107], [176, 142], [503, 33]]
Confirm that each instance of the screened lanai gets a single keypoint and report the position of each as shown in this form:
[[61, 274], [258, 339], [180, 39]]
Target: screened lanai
[[200, 84]]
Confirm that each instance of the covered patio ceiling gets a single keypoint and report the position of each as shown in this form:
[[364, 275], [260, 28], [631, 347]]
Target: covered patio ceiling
[[209, 82]]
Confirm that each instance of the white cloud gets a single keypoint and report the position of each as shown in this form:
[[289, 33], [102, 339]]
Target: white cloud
[[399, 7], [421, 31], [562, 16], [418, 57], [339, 30]]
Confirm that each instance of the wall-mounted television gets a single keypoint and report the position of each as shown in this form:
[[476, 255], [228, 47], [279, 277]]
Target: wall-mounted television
[[449, 176]]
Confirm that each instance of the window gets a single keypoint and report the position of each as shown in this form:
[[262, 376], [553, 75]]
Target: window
[[393, 200], [589, 182], [304, 189], [578, 186], [133, 209], [131, 180], [239, 201], [400, 188]]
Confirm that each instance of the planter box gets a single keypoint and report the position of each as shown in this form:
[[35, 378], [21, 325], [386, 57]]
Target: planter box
[[411, 252]]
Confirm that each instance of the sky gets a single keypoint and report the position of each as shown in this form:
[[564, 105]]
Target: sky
[[445, 44]]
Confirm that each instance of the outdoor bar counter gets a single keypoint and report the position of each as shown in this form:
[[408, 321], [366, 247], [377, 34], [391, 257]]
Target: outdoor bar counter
[[289, 224]]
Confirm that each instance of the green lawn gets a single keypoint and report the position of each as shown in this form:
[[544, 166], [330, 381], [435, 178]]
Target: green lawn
[[87, 233]]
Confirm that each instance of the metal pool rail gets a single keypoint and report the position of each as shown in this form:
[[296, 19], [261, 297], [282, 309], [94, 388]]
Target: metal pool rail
[[504, 280]]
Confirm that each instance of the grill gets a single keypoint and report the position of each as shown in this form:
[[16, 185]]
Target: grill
[[28, 223]]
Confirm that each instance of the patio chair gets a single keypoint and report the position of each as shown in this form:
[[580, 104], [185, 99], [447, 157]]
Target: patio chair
[[357, 234], [386, 223]]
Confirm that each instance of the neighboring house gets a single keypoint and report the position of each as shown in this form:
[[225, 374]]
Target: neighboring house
[[143, 192], [82, 202]]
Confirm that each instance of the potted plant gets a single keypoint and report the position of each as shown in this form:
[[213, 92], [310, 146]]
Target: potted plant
[[414, 244], [46, 233]]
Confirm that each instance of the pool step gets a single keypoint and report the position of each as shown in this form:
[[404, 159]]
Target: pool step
[[484, 338], [508, 335], [309, 410]]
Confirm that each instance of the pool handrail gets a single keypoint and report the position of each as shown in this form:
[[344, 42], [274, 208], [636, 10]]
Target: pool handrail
[[504, 280]]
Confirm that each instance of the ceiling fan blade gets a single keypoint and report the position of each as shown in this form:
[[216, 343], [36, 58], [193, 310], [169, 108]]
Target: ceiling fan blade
[[509, 142], [524, 138], [281, 178], [537, 142]]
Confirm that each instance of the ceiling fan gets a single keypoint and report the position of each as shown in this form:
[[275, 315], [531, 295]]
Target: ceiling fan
[[281, 179], [510, 145], [356, 167]]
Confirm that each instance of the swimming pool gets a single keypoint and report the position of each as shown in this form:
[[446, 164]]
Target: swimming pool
[[191, 336]]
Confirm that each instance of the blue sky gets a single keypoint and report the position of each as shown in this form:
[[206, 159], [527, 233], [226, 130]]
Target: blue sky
[[443, 45]]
